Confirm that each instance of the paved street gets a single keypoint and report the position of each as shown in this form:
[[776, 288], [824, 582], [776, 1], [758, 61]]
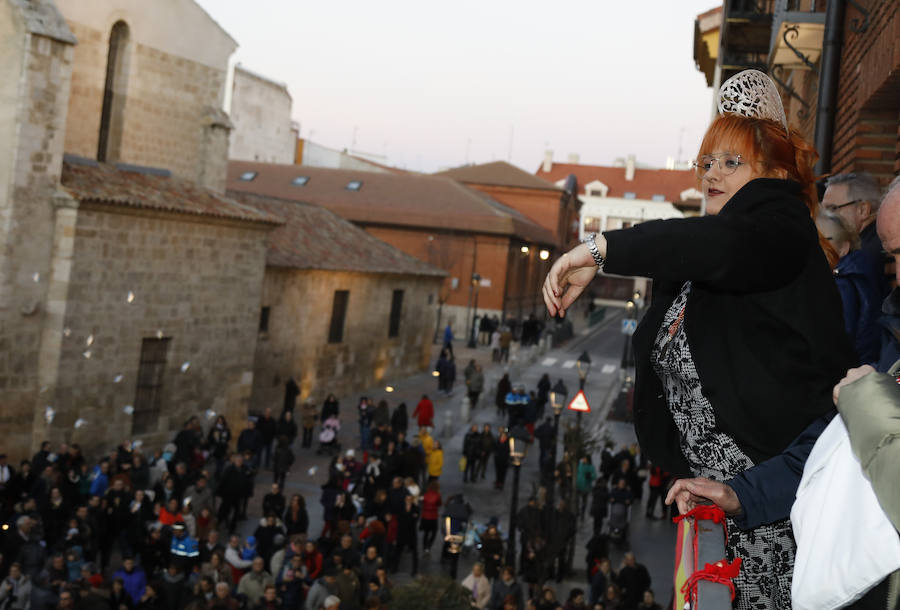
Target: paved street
[[652, 541]]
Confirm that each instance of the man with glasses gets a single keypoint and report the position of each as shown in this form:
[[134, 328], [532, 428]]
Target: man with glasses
[[855, 197]]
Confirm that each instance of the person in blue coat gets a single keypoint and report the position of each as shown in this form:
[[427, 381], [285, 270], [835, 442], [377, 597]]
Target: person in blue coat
[[857, 281]]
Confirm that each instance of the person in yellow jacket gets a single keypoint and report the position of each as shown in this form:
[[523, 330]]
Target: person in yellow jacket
[[435, 461], [427, 442]]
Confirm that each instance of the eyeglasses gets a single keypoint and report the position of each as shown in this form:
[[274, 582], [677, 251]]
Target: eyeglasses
[[726, 162], [835, 208]]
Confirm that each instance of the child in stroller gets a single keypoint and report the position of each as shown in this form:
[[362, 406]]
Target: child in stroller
[[620, 499], [328, 437]]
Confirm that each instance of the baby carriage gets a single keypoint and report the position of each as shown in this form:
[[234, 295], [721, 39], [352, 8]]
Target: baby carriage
[[619, 513], [328, 437]]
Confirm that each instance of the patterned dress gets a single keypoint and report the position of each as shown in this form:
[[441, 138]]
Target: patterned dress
[[767, 551]]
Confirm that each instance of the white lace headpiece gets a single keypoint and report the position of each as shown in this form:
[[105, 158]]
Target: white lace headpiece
[[752, 93]]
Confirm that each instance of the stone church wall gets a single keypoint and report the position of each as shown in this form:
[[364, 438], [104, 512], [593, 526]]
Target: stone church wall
[[297, 341]]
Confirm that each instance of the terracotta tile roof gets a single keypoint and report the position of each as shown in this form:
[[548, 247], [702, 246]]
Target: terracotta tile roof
[[87, 180], [498, 173], [669, 183], [409, 200], [314, 238]]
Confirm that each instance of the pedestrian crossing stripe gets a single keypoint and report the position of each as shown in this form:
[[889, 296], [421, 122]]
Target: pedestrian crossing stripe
[[608, 368], [568, 364], [548, 362], [580, 403]]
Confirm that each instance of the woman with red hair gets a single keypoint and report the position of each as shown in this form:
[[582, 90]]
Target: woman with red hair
[[743, 340]]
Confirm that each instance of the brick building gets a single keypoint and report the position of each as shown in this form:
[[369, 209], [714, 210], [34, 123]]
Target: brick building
[[432, 218], [340, 309], [261, 113], [837, 66], [549, 205]]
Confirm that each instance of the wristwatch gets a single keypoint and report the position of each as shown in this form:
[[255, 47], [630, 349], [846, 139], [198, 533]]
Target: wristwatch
[[595, 252]]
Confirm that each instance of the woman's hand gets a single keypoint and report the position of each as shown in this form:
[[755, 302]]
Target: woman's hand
[[851, 376], [688, 493], [569, 276]]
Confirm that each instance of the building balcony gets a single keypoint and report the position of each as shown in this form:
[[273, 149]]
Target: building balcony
[[747, 26]]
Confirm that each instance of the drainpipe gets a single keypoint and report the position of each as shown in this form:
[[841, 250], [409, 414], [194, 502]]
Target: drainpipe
[[828, 82]]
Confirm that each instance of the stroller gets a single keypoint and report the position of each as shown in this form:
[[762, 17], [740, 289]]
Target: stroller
[[619, 517], [328, 437]]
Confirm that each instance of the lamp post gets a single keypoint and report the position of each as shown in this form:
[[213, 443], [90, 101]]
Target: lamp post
[[455, 522], [476, 281], [630, 314], [518, 447], [558, 395]]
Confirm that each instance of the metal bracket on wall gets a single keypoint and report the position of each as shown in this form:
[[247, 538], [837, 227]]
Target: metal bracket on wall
[[796, 34], [802, 113], [855, 24]]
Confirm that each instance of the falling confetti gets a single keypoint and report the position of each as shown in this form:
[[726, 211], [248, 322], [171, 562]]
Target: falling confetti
[[389, 389], [118, 378], [210, 413], [86, 353], [159, 334], [49, 414], [80, 423], [312, 471], [36, 277], [130, 297], [89, 341], [128, 409], [137, 444], [185, 366], [67, 331]]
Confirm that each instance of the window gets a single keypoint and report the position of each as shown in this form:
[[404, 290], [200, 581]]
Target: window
[[659, 198], [264, 319], [338, 313], [596, 193], [630, 195], [354, 185], [149, 385], [113, 109], [247, 176], [300, 180], [396, 308]]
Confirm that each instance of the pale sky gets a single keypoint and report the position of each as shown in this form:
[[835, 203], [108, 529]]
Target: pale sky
[[432, 85]]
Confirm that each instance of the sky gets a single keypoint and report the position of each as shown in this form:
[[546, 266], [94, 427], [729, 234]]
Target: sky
[[434, 85]]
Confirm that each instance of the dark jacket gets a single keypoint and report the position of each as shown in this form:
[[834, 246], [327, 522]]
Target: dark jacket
[[861, 297], [763, 319]]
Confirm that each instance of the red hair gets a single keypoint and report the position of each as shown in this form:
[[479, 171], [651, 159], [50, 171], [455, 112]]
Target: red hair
[[772, 152]]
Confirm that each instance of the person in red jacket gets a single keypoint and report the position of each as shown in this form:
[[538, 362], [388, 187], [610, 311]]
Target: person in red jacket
[[658, 482], [424, 412], [312, 558], [431, 502]]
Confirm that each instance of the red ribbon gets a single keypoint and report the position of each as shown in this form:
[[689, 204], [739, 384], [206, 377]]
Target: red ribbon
[[709, 512], [721, 572]]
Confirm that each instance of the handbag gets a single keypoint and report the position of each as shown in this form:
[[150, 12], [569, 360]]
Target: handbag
[[462, 464]]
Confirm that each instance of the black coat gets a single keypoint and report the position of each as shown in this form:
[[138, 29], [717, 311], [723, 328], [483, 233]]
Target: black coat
[[763, 319]]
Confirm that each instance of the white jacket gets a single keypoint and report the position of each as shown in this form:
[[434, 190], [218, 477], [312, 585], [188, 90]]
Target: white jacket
[[845, 542]]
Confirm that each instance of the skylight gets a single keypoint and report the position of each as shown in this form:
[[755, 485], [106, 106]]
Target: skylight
[[354, 185], [630, 195], [247, 176], [659, 198], [300, 180]]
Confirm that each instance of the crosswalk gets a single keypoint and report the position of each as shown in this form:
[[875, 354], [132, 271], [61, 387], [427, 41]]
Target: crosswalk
[[607, 369]]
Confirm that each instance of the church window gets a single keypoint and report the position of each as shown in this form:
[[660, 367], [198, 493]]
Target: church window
[[113, 109], [264, 319], [151, 371], [338, 313], [396, 309], [247, 176]]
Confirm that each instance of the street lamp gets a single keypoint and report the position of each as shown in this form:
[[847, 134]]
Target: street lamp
[[518, 447], [476, 282], [584, 367], [455, 522], [558, 395]]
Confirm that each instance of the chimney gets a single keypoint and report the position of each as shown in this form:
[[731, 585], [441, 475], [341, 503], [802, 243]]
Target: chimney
[[548, 161], [574, 158], [629, 168]]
